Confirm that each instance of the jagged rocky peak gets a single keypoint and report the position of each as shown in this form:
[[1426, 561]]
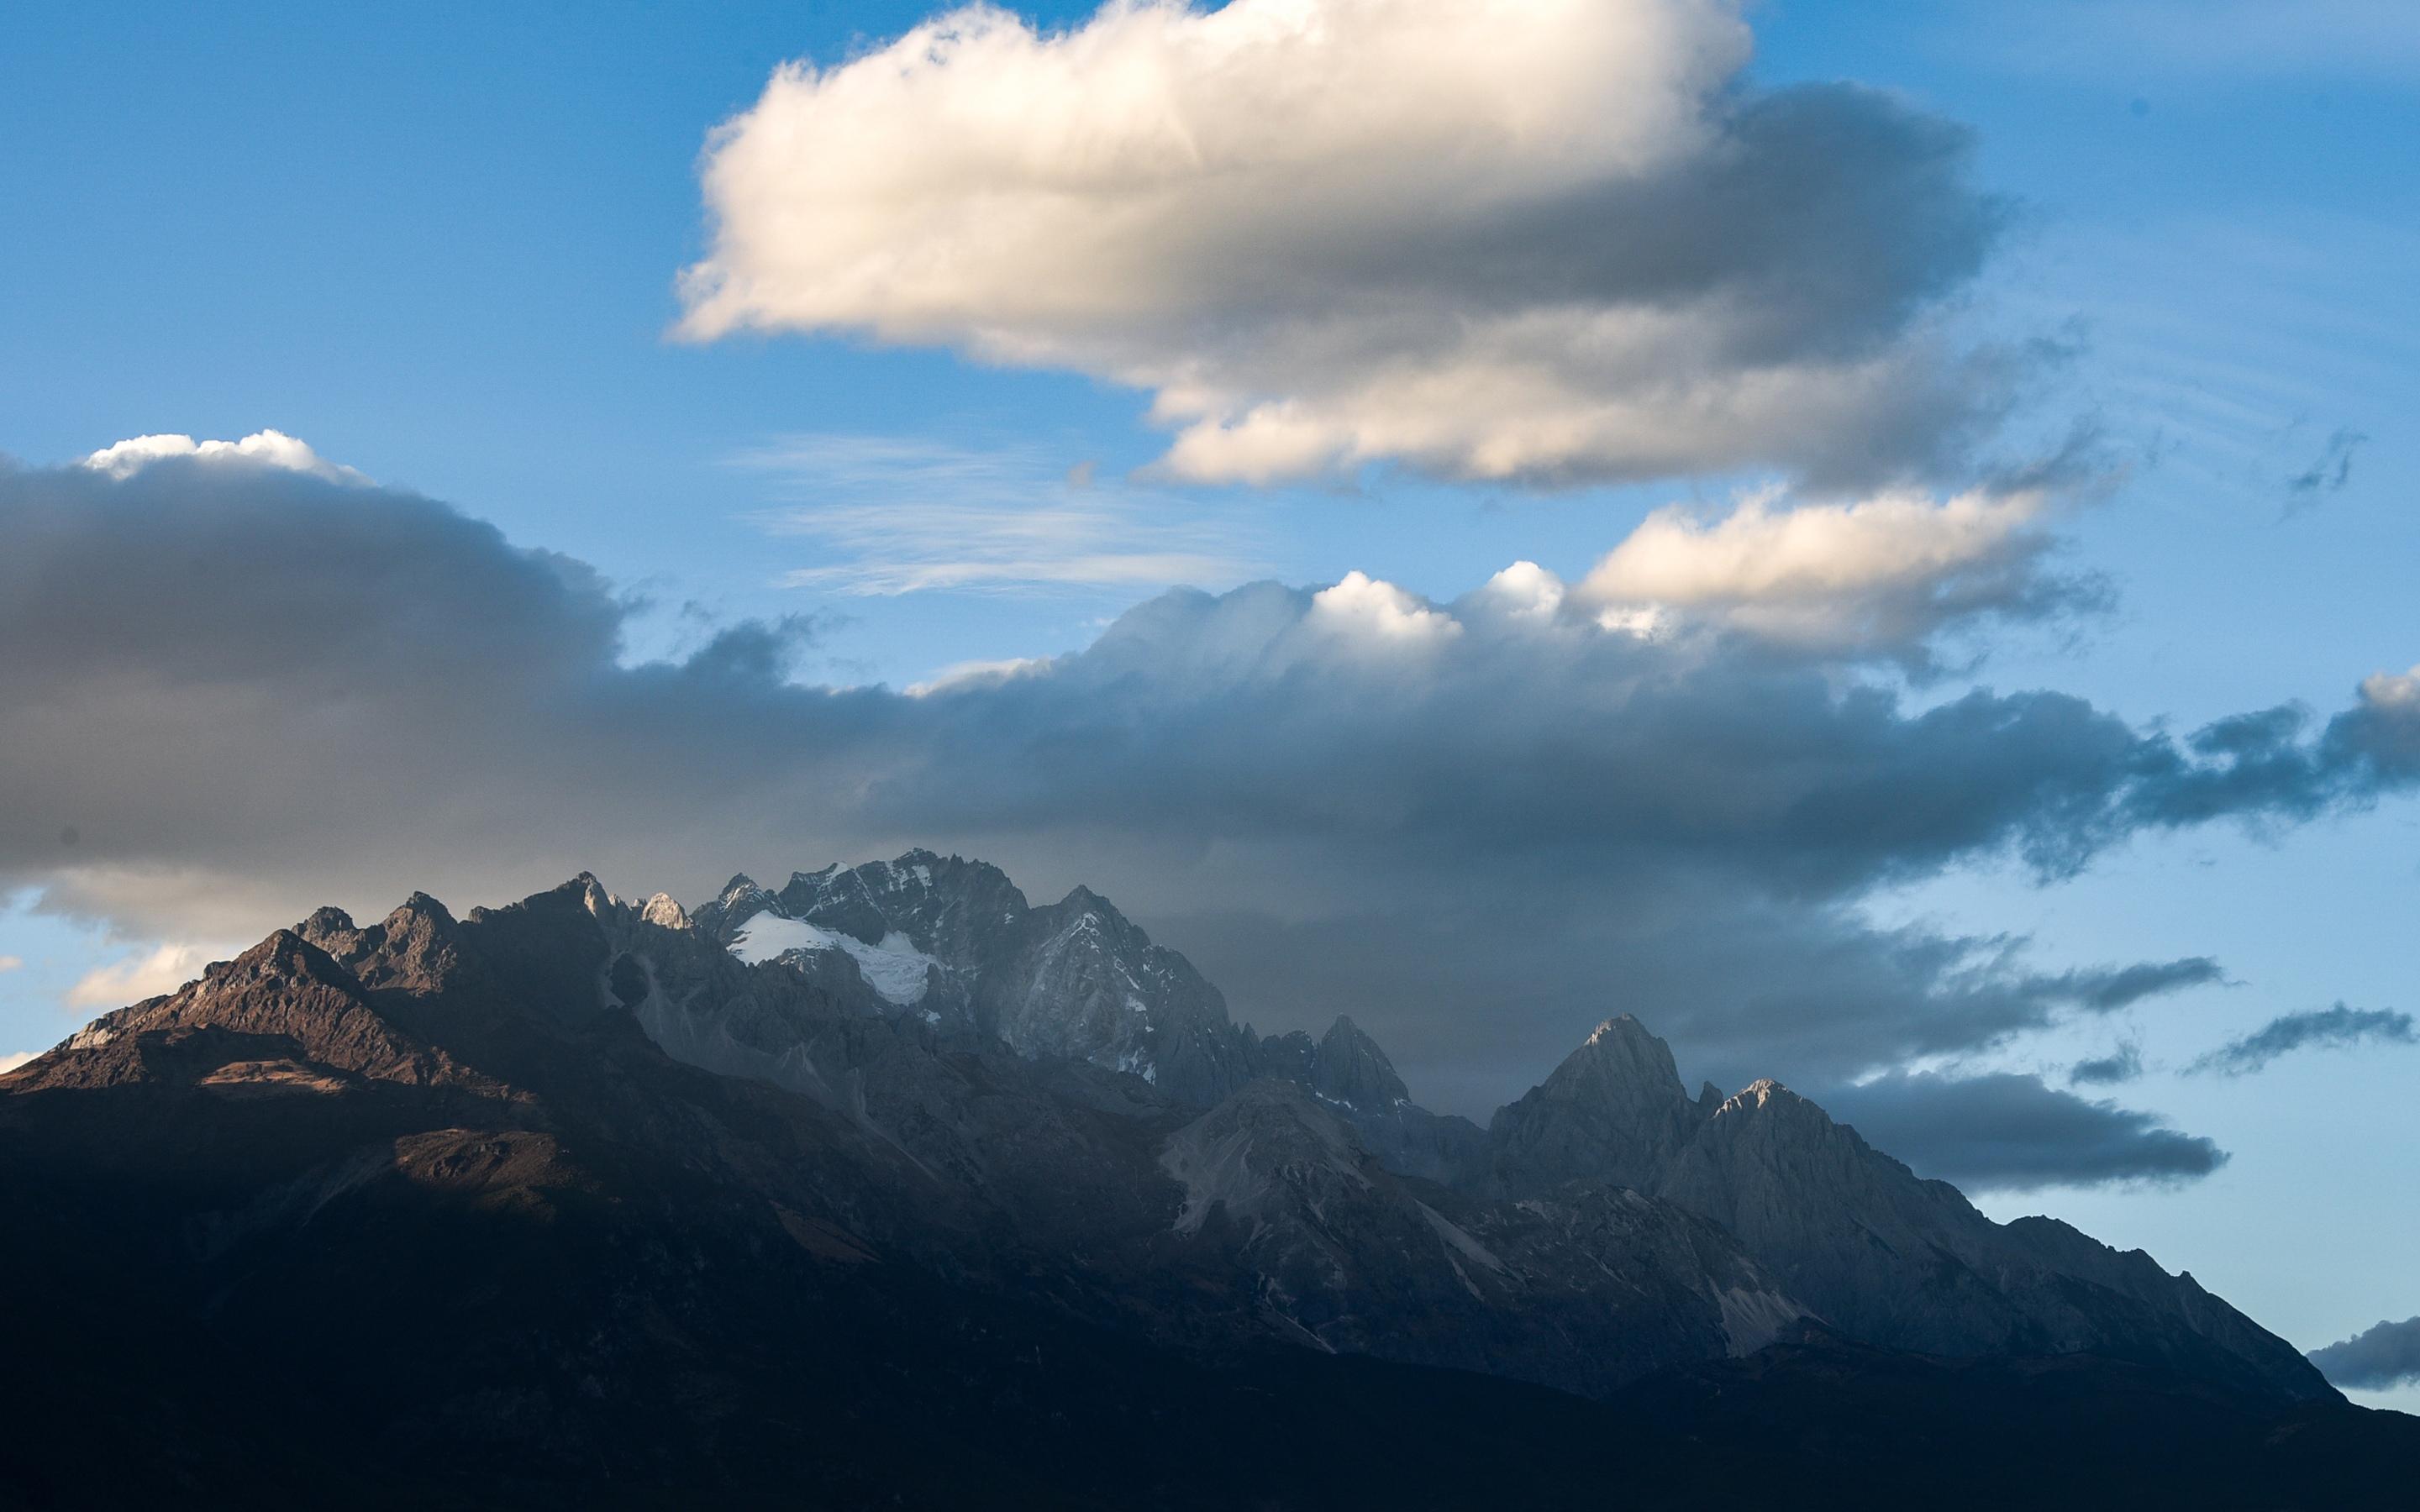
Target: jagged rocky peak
[[1619, 1052], [1764, 1091], [1344, 1066], [1779, 1113], [417, 943], [325, 923], [284, 1001], [1621, 1065], [593, 896], [739, 899], [1614, 1110], [946, 906], [1083, 981], [1352, 1070]]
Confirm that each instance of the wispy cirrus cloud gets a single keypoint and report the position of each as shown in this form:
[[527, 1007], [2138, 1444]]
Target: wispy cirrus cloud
[[903, 514], [2208, 41], [2328, 475]]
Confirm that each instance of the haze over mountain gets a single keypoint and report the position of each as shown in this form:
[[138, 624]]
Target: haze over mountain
[[889, 1146]]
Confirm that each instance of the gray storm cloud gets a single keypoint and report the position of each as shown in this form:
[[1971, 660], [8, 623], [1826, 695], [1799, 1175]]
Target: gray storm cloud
[[2380, 1358], [233, 691], [2008, 1132]]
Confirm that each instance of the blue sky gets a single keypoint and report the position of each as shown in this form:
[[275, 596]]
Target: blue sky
[[438, 243]]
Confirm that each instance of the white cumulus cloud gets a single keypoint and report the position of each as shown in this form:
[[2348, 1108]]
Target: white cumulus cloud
[[1876, 573], [1530, 239], [1363, 606], [262, 448], [1524, 591], [2398, 691]]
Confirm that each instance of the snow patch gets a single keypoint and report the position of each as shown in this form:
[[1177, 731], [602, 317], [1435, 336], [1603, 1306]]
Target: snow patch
[[895, 969]]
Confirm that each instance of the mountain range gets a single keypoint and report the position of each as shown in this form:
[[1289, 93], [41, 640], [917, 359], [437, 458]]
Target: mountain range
[[886, 1187]]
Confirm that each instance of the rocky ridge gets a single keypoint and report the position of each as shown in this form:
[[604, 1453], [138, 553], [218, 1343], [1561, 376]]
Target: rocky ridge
[[1059, 1111]]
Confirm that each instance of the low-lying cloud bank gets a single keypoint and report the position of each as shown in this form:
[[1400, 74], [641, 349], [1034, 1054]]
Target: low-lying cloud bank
[[2007, 1132], [1534, 240], [2378, 1359], [235, 690]]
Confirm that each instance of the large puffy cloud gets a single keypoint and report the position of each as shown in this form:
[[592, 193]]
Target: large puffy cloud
[[2377, 1359], [2008, 1132], [1540, 240], [232, 693]]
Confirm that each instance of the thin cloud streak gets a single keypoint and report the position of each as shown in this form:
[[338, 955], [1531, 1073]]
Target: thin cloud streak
[[2328, 1028], [909, 515]]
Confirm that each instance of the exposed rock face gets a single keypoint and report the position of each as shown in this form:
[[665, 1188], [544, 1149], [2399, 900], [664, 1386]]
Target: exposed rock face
[[1897, 1261], [1289, 1217], [285, 1000], [1344, 1066], [1614, 1110], [1869, 1246], [1085, 983], [954, 942]]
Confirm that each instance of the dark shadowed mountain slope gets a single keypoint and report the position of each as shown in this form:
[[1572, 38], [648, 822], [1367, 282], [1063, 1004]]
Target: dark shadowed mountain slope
[[1848, 1232], [1877, 1252], [1862, 1427], [423, 1211], [1044, 1179]]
